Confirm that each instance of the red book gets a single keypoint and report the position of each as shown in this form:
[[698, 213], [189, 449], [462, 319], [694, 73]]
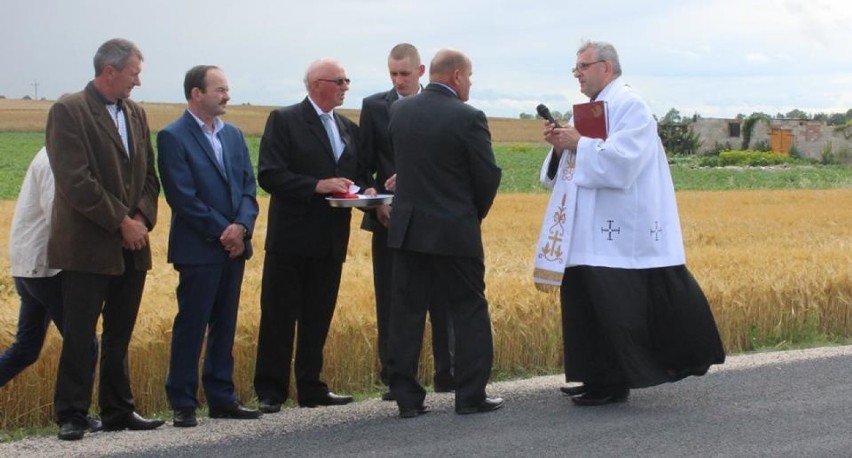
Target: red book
[[590, 119]]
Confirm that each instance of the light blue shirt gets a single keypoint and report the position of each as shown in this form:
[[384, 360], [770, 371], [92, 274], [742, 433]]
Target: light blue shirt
[[212, 136]]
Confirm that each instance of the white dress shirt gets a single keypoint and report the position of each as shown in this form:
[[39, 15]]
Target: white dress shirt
[[31, 223]]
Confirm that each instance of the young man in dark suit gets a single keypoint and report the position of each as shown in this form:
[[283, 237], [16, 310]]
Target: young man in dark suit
[[446, 181], [405, 71], [105, 203], [307, 152], [209, 183]]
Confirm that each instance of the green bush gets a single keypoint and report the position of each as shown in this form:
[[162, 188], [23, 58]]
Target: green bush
[[745, 158]]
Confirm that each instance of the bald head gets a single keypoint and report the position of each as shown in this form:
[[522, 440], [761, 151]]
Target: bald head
[[326, 82], [445, 63], [318, 68], [453, 68]]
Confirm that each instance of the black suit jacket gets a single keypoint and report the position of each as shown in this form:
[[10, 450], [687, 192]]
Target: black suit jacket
[[295, 154], [447, 177], [374, 148]]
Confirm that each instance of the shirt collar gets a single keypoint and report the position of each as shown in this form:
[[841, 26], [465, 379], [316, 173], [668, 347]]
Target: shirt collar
[[400, 96], [319, 110], [119, 104], [218, 124], [448, 87], [609, 88]]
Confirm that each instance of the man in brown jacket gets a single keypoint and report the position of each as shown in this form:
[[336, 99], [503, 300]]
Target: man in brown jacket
[[105, 203]]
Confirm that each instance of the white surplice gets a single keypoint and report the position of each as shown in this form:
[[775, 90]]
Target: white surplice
[[613, 202]]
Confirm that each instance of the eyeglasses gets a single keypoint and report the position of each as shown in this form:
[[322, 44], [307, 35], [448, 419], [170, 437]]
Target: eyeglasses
[[337, 81], [582, 66]]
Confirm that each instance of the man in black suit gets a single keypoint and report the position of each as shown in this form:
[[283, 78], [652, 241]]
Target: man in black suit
[[446, 181], [302, 161], [405, 71]]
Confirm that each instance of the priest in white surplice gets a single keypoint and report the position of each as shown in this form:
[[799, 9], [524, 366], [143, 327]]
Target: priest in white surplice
[[632, 314]]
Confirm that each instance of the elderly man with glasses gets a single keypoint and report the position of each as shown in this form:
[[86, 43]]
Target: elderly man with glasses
[[632, 314], [307, 153]]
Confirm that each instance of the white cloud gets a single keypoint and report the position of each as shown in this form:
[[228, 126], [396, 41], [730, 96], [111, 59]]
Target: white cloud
[[720, 57]]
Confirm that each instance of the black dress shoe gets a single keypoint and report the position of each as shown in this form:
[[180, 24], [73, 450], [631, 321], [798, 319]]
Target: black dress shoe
[[134, 422], [488, 405], [411, 412], [267, 406], [185, 418], [388, 396], [235, 412], [600, 398], [94, 424], [328, 399], [573, 390], [71, 431]]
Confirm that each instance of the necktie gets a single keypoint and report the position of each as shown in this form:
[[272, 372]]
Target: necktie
[[326, 122]]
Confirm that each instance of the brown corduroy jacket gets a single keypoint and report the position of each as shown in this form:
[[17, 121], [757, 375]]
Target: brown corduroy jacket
[[98, 183]]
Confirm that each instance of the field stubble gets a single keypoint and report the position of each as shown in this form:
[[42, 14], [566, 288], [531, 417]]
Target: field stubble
[[775, 266]]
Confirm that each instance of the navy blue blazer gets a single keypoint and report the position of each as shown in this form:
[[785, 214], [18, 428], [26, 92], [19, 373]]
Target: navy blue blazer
[[205, 198]]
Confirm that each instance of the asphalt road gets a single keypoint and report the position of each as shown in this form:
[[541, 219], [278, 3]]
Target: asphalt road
[[789, 408]]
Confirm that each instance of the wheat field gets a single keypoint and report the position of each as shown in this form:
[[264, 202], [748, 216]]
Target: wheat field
[[775, 265], [31, 116]]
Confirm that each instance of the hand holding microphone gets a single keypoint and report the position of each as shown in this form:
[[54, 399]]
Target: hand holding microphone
[[561, 137], [544, 112]]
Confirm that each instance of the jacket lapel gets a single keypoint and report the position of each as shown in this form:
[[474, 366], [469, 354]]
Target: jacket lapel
[[205, 145], [106, 123], [315, 126]]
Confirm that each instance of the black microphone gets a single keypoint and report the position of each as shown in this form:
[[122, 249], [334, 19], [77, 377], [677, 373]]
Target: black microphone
[[544, 112]]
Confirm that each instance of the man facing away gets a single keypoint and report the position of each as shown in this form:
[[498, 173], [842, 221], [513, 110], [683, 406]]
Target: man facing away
[[307, 152], [446, 181], [632, 314], [405, 71], [209, 184], [105, 203]]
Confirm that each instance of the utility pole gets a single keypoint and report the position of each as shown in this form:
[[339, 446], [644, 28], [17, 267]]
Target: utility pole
[[35, 85]]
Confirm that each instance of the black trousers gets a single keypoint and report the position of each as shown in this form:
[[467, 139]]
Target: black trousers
[[85, 298], [442, 326], [417, 278], [294, 290]]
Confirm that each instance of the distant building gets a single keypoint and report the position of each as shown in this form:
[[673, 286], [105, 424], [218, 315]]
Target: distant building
[[807, 136]]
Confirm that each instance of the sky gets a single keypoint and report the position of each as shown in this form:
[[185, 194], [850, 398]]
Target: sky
[[714, 58]]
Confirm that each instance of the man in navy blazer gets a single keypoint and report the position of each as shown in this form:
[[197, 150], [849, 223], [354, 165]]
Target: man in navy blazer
[[301, 163], [209, 184], [446, 181]]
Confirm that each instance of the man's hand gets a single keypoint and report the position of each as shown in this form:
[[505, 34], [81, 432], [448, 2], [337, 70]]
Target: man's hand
[[134, 233], [561, 138], [390, 183], [332, 185], [383, 214], [233, 240]]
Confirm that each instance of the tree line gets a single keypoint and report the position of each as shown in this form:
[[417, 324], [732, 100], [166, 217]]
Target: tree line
[[673, 116]]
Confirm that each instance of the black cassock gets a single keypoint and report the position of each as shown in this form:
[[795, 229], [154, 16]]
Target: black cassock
[[636, 327]]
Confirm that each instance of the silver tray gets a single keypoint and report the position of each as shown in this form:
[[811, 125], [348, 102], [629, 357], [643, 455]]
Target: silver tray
[[363, 201]]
